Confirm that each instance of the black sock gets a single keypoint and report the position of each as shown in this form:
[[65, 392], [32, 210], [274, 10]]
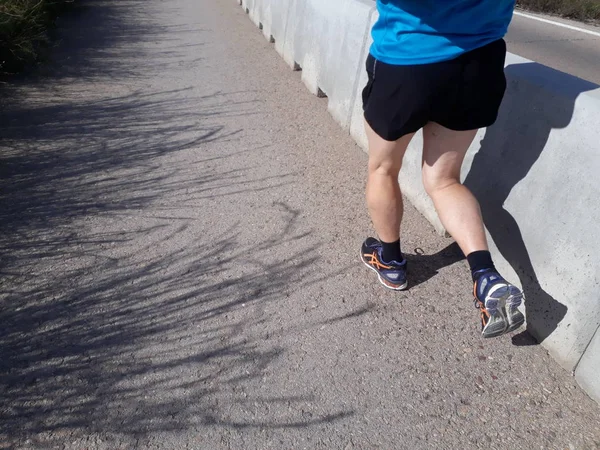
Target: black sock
[[480, 260], [391, 251]]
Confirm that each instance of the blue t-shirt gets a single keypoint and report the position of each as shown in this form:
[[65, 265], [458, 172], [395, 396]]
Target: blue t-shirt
[[426, 31]]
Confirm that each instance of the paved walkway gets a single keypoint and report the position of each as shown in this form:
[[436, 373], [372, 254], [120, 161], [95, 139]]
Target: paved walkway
[[180, 231]]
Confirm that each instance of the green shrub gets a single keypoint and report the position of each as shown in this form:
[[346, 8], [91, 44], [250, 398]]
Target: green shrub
[[23, 30]]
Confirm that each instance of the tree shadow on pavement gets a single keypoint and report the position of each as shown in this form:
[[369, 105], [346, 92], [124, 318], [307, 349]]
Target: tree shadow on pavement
[[504, 160], [117, 319], [100, 39]]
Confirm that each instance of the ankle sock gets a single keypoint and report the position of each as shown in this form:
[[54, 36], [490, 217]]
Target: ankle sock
[[391, 251], [480, 262]]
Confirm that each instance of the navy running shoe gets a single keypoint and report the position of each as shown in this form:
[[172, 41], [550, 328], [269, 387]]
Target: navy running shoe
[[391, 274], [498, 302]]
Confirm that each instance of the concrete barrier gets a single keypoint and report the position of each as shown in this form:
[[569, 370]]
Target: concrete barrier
[[272, 17], [248, 6], [588, 370], [534, 175], [535, 172], [327, 41]]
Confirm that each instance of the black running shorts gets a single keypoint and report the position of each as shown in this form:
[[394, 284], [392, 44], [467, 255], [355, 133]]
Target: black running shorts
[[461, 94]]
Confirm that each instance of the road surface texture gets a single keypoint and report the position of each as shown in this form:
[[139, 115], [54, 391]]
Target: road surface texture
[[181, 223], [564, 49]]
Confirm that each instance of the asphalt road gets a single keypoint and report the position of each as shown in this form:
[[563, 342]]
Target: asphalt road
[[181, 223], [571, 51]]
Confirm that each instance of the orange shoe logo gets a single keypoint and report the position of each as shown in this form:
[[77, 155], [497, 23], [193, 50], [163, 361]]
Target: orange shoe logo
[[374, 261]]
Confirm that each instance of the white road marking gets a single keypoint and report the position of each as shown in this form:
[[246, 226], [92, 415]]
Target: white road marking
[[558, 24]]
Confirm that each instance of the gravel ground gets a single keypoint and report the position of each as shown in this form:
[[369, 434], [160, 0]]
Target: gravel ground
[[181, 222]]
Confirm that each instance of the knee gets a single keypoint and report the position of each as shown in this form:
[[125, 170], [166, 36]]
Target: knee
[[434, 181], [386, 168]]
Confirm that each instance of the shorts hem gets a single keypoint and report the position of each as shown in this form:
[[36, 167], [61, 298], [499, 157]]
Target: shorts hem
[[390, 136], [467, 127]]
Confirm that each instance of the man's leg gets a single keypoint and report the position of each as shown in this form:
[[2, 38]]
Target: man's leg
[[384, 201], [443, 154]]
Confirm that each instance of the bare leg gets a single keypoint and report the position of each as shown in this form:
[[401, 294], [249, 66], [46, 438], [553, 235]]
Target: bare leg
[[384, 198], [443, 154]]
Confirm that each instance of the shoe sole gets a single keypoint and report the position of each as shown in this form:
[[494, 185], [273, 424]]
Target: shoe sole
[[383, 281], [514, 299], [501, 300], [494, 304]]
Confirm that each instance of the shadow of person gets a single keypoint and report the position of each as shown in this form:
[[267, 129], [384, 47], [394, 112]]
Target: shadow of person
[[424, 267], [508, 151]]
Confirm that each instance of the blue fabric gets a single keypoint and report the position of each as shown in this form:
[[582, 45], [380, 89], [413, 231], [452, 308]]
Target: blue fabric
[[412, 32], [486, 281]]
